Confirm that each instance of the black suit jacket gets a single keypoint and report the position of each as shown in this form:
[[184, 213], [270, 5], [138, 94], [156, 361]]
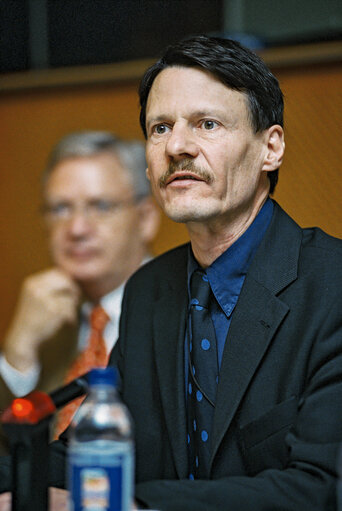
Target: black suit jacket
[[278, 416]]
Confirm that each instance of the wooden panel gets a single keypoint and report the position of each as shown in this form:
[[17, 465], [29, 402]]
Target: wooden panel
[[310, 184], [31, 122]]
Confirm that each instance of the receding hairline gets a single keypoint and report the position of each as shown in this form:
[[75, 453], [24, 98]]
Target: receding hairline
[[48, 171], [216, 77], [130, 154]]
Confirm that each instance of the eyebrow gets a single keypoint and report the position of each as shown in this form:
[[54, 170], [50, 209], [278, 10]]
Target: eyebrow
[[196, 113], [69, 200], [159, 118]]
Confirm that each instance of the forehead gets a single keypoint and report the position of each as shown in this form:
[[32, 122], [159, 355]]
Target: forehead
[[88, 176], [179, 89]]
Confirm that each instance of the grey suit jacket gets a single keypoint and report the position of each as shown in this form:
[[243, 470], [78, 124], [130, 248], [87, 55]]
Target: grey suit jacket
[[278, 416]]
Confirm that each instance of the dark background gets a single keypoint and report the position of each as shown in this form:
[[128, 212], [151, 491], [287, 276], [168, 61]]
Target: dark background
[[60, 33], [85, 32]]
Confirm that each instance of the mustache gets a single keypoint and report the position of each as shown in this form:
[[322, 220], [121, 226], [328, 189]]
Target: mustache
[[186, 164]]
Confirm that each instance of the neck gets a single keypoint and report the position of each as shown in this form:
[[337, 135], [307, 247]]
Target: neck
[[93, 292], [209, 240]]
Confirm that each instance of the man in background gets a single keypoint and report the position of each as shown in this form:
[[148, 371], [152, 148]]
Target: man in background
[[100, 219]]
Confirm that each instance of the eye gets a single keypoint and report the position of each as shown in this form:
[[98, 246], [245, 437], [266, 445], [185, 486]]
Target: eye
[[208, 124], [102, 206], [60, 209], [160, 129]]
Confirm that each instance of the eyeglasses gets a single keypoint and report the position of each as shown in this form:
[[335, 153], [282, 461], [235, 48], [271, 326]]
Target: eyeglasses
[[94, 210]]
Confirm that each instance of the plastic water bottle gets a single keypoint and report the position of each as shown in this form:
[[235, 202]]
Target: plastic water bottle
[[100, 456]]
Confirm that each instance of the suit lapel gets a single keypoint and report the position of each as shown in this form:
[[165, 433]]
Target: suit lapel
[[246, 345], [169, 334], [256, 318]]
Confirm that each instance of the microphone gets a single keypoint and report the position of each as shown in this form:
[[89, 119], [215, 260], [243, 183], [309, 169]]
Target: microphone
[[37, 405], [26, 423], [72, 390]]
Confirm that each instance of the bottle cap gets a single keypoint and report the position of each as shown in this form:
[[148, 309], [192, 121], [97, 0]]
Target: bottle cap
[[103, 376]]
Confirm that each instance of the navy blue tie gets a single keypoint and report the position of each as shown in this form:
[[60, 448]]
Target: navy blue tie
[[203, 375]]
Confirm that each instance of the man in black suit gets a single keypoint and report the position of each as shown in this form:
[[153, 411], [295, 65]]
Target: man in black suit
[[212, 115]]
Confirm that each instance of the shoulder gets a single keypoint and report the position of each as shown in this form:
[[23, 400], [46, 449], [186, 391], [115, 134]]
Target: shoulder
[[159, 279], [161, 271], [311, 239], [315, 238], [167, 262], [319, 254]]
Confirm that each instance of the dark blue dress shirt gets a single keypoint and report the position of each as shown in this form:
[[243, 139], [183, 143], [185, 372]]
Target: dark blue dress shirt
[[227, 274]]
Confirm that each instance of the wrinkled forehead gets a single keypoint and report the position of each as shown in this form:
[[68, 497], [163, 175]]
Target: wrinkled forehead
[[81, 176], [179, 90]]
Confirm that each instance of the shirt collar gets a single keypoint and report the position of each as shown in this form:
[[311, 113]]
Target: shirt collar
[[111, 303], [226, 274]]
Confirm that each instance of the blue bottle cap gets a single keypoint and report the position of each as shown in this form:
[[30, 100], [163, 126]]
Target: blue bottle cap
[[103, 376]]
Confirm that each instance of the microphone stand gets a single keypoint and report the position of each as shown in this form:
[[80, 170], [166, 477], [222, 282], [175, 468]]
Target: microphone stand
[[26, 423]]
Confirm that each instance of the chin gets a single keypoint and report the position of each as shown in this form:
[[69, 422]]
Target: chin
[[84, 279], [82, 272], [192, 213]]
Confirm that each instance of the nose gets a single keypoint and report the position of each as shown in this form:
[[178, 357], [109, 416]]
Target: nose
[[182, 142], [79, 225]]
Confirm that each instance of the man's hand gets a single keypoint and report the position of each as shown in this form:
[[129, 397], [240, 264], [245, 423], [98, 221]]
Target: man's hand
[[47, 301]]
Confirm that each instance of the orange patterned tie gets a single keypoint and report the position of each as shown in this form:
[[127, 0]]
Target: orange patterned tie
[[95, 355]]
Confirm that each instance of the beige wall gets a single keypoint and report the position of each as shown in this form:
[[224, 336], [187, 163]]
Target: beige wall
[[310, 186]]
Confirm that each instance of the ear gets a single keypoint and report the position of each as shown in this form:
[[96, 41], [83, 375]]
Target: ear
[[149, 219], [275, 148], [148, 174]]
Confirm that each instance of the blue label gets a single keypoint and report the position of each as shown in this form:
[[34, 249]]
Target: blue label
[[97, 488], [101, 483]]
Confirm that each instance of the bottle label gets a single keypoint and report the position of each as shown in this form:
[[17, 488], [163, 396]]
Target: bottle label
[[101, 482], [95, 487]]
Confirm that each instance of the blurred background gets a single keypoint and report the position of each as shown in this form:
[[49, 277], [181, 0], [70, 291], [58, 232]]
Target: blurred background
[[69, 65]]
